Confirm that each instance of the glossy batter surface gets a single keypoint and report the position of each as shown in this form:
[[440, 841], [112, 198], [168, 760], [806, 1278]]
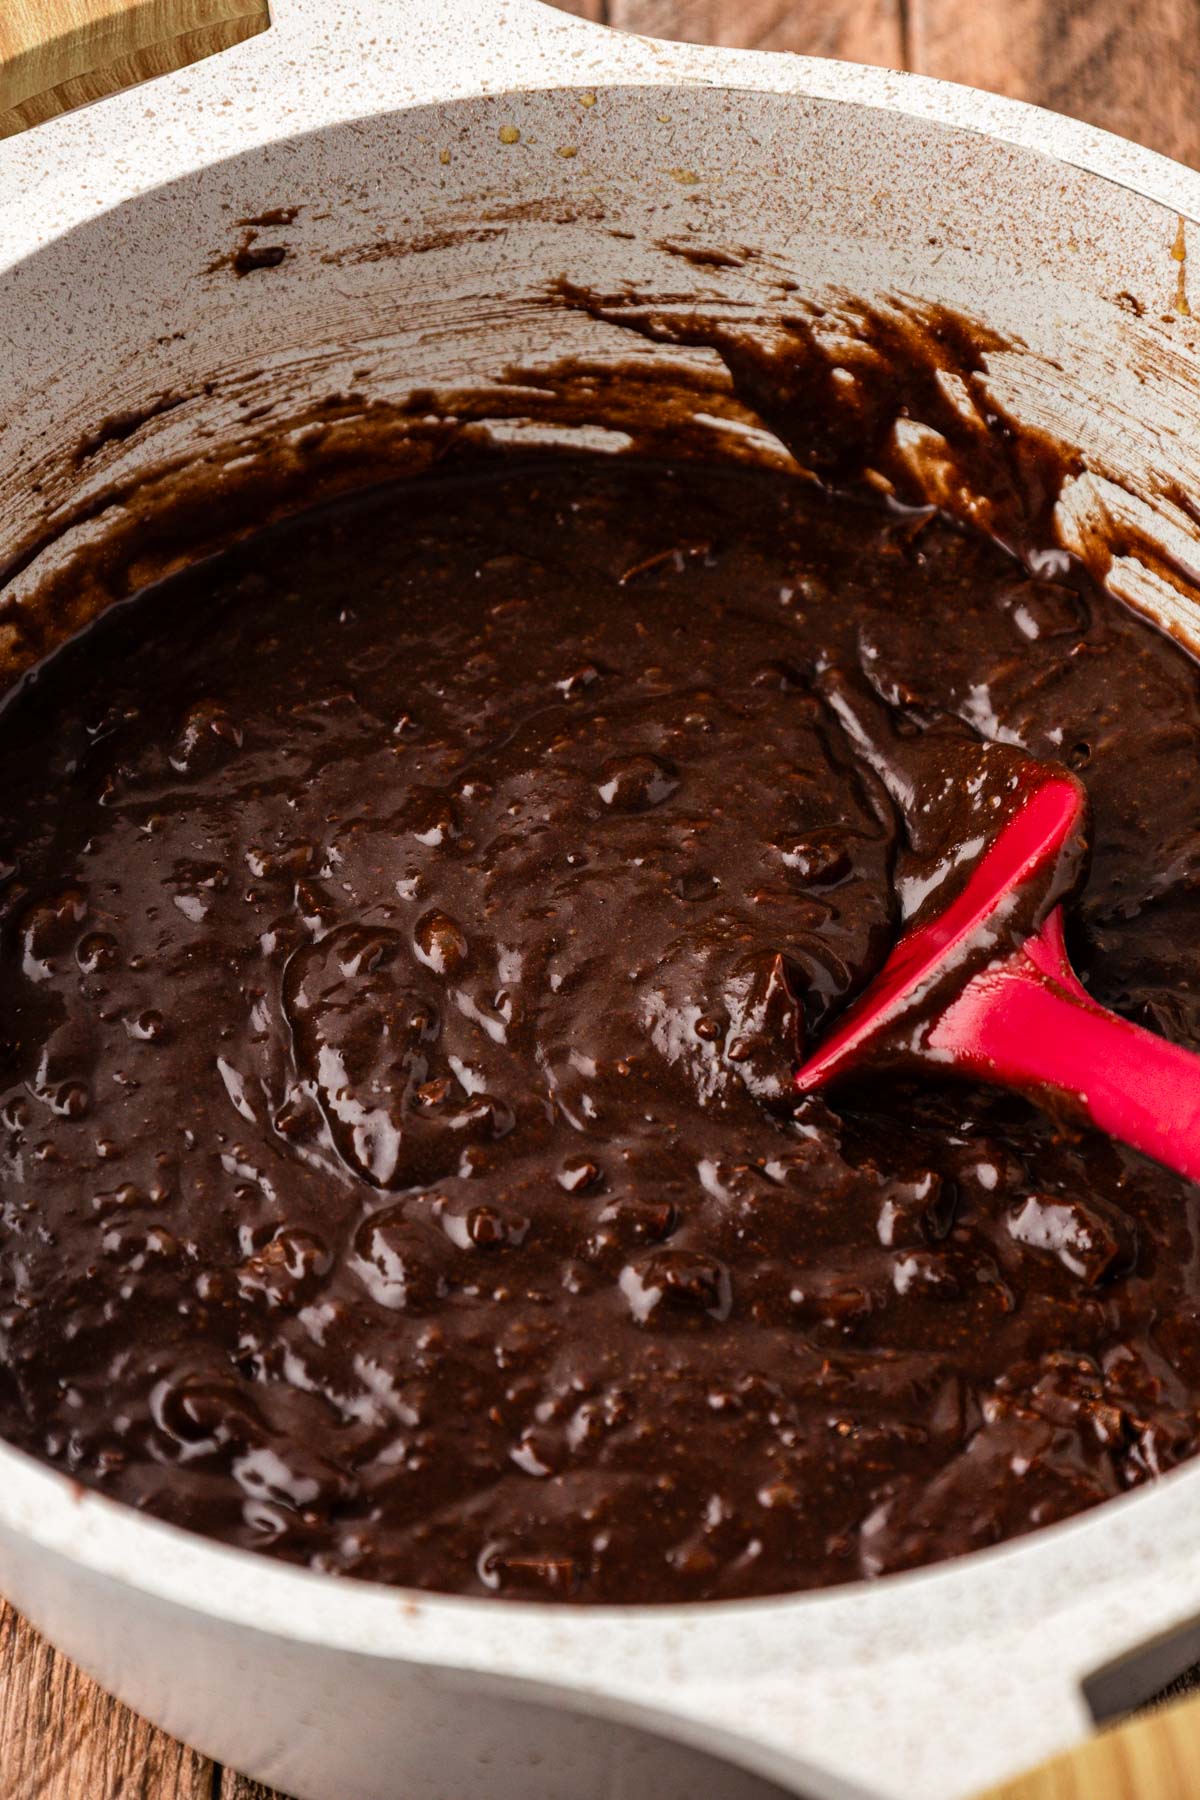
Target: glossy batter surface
[[411, 922]]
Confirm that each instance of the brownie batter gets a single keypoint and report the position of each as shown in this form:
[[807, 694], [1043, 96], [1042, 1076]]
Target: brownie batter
[[412, 921]]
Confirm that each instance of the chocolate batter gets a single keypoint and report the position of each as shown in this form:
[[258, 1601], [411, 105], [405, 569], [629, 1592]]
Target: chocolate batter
[[412, 919]]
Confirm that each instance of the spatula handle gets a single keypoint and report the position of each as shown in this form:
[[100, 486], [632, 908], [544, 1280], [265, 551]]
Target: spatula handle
[[1017, 1025], [58, 54]]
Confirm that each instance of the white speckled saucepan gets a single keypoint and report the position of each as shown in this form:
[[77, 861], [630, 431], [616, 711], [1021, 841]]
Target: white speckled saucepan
[[448, 159]]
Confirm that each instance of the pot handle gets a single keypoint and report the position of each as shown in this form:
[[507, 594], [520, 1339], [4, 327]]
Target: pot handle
[[1153, 1757], [58, 54]]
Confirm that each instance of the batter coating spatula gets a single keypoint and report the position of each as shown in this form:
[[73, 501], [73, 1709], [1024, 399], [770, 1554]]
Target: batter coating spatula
[[969, 991]]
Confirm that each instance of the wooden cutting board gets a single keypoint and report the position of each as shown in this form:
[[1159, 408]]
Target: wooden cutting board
[[1130, 65]]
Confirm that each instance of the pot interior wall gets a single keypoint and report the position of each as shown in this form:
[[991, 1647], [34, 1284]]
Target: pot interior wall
[[244, 341]]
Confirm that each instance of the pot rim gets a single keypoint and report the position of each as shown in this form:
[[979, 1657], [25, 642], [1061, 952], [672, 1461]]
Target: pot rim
[[63, 172], [264, 1593]]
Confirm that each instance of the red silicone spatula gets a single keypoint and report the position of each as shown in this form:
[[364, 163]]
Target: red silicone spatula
[[1019, 1017]]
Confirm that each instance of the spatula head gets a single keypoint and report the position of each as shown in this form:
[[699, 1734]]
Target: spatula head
[[1034, 859]]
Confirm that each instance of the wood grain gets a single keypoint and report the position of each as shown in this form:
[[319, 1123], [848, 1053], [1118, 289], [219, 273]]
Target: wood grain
[[860, 30], [1156, 1757], [57, 54], [1132, 66]]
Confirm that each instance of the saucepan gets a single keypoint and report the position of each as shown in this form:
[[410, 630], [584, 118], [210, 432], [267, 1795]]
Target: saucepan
[[375, 205]]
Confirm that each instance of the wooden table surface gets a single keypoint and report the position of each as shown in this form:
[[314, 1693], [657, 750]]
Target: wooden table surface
[[1130, 65]]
